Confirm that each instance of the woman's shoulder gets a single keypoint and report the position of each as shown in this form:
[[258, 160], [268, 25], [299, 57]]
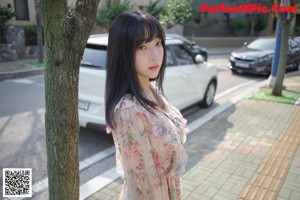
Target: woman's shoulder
[[128, 101]]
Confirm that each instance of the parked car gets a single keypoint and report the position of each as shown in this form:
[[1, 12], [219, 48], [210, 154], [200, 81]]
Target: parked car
[[196, 49], [297, 39], [188, 79], [256, 57]]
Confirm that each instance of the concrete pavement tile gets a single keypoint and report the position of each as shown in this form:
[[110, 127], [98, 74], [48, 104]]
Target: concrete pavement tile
[[295, 195], [196, 196], [281, 198], [201, 189], [248, 173], [291, 177], [210, 192], [219, 197], [186, 194], [227, 194], [285, 193], [225, 175], [292, 185], [214, 181], [237, 189], [227, 187]]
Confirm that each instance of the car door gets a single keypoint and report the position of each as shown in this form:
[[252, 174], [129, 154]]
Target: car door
[[173, 83], [294, 52], [192, 75]]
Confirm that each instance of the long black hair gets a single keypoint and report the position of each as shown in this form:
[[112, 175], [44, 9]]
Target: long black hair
[[128, 31]]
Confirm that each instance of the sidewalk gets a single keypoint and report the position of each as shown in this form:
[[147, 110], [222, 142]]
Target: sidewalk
[[18, 69], [249, 151]]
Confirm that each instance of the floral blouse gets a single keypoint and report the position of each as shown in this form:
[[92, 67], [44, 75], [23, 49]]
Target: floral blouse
[[150, 156]]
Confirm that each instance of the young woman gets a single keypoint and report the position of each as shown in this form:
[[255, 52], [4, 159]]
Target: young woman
[[148, 132]]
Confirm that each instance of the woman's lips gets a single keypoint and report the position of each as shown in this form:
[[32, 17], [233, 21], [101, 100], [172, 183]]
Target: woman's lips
[[154, 67]]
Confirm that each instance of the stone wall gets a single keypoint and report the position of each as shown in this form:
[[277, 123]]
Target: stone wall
[[15, 48]]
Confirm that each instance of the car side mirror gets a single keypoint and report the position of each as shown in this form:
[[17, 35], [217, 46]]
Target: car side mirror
[[199, 59]]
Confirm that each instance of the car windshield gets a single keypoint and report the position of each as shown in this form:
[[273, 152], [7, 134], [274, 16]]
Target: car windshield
[[94, 56], [263, 44]]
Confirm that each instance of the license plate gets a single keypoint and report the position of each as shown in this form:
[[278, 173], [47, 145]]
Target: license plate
[[83, 105], [242, 64]]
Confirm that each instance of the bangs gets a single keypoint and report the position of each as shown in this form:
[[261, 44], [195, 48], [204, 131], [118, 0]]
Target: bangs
[[148, 31]]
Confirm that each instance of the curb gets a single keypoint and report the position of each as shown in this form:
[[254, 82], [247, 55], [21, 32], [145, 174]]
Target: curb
[[20, 74]]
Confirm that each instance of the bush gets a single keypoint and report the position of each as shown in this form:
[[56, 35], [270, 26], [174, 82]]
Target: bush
[[156, 9], [30, 33], [177, 12], [297, 31], [236, 25], [5, 15], [106, 15]]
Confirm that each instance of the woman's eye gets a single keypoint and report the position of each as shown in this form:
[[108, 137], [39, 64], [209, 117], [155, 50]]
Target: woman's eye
[[142, 47], [159, 43]]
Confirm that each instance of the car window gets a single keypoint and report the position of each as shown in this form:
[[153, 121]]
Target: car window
[[94, 56], [170, 59], [292, 44], [182, 56], [262, 44]]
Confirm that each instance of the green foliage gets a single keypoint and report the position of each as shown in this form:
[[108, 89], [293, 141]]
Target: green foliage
[[30, 30], [236, 25], [156, 9], [261, 24], [5, 15], [178, 12], [106, 15], [297, 31]]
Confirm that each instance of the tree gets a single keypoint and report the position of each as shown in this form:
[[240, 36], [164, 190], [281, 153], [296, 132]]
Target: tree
[[156, 9], [286, 25], [66, 34], [107, 15], [5, 15], [39, 28], [254, 17], [178, 12]]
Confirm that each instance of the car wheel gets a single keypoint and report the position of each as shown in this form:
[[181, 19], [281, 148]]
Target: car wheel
[[204, 57], [210, 92]]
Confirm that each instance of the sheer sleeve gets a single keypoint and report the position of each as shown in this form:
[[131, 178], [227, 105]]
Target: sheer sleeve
[[134, 148]]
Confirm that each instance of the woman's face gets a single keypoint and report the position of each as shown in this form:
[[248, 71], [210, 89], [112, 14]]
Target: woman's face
[[148, 61]]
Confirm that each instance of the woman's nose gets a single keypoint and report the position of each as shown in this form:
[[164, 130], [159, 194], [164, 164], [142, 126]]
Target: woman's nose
[[154, 53]]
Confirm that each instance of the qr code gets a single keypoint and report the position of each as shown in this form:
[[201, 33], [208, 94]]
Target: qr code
[[17, 182]]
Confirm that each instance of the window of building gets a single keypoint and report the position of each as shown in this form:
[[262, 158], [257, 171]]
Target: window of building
[[21, 9]]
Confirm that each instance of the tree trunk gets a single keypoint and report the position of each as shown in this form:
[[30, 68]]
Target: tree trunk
[[39, 31], [277, 89], [65, 38]]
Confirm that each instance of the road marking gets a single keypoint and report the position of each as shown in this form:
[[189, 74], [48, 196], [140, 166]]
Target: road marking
[[21, 80], [97, 183], [230, 90]]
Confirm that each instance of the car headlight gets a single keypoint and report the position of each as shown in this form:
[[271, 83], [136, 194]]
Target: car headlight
[[232, 58], [265, 58]]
